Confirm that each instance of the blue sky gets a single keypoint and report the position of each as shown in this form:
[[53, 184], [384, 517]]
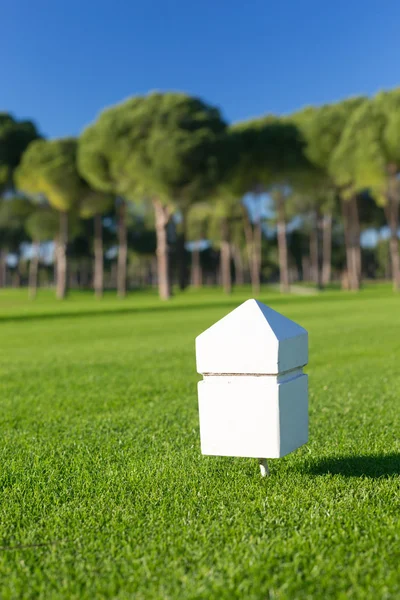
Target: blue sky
[[65, 61]]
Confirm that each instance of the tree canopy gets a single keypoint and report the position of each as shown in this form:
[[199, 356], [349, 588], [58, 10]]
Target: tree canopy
[[167, 145], [369, 144], [322, 127], [175, 154], [15, 136], [49, 167], [271, 152]]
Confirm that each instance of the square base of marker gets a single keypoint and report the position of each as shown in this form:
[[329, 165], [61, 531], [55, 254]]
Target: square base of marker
[[254, 417]]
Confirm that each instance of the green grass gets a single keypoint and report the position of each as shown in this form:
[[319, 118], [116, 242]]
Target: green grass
[[104, 492]]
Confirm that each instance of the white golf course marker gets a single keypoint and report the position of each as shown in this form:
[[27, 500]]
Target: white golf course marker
[[253, 400]]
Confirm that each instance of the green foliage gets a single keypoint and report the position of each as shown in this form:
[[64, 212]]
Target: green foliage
[[198, 220], [105, 493], [272, 153], [205, 218], [94, 202], [388, 103], [15, 136], [359, 160], [226, 208], [43, 224], [310, 199], [4, 177], [14, 212], [49, 168], [168, 145], [322, 128], [246, 150], [369, 145], [107, 148]]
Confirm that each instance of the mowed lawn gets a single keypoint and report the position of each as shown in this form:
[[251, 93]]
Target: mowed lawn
[[104, 492]]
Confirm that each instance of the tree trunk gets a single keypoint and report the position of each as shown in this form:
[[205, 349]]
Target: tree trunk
[[355, 243], [55, 259], [314, 254], [257, 237], [356, 240], [33, 269], [326, 249], [3, 268], [225, 258], [98, 281], [238, 262], [154, 263], [122, 251], [162, 217], [345, 280], [251, 254], [226, 279], [347, 242], [392, 216], [113, 276], [282, 245], [305, 268], [62, 243], [393, 221], [394, 258], [352, 242], [182, 254], [254, 272], [196, 268]]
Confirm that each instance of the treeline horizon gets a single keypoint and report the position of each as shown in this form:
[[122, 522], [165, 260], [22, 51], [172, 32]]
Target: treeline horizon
[[161, 191]]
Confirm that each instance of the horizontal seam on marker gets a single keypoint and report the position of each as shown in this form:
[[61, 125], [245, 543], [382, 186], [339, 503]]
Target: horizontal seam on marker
[[251, 374]]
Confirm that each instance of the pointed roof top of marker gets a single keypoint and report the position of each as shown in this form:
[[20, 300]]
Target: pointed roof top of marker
[[252, 339]]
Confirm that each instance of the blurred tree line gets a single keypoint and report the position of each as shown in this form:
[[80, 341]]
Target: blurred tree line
[[160, 191]]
